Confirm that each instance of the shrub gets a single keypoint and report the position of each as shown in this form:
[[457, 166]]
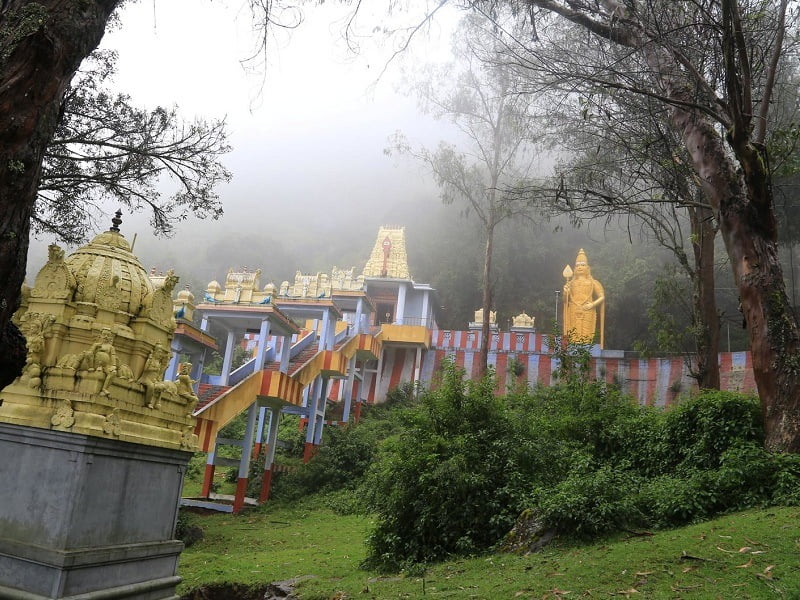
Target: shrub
[[342, 459], [787, 480], [581, 456], [196, 466], [700, 430], [453, 482], [592, 500], [291, 438], [670, 500]]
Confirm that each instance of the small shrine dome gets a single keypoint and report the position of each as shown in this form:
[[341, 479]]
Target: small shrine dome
[[185, 295], [213, 287], [105, 268]]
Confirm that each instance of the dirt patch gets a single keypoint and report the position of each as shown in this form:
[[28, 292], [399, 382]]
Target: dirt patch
[[277, 590], [228, 591]]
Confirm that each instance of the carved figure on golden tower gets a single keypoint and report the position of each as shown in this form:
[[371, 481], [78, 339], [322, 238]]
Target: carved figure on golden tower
[[583, 296], [98, 333]]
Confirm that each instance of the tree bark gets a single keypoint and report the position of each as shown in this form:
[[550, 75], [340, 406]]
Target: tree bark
[[706, 317], [743, 200], [41, 46], [486, 305]]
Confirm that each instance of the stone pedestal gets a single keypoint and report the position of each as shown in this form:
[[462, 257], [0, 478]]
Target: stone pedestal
[[87, 518]]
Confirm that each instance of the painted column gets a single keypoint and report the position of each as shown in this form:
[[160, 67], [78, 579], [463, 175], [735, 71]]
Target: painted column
[[330, 335], [313, 396], [320, 417], [348, 388], [272, 440], [172, 369], [417, 368], [197, 369], [401, 304], [359, 394], [286, 351], [208, 476], [228, 359], [314, 431], [244, 463], [359, 314], [262, 413], [428, 322], [263, 339], [377, 374], [323, 332]]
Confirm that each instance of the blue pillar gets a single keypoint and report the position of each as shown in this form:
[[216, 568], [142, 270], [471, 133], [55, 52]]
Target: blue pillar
[[348, 388], [323, 334], [401, 304], [263, 336], [286, 352], [359, 314], [227, 359]]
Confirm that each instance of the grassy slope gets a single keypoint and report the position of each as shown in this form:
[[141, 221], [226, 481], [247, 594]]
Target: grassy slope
[[754, 554]]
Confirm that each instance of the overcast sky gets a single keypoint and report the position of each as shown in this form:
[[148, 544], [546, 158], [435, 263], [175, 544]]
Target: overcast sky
[[308, 129]]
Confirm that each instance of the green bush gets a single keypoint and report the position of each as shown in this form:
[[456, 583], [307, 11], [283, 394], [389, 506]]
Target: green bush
[[186, 531], [700, 430], [453, 482], [670, 500], [591, 501], [291, 438], [581, 456], [196, 466], [342, 459], [787, 480]]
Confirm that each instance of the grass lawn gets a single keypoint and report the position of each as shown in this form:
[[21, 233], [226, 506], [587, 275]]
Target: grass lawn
[[273, 543], [753, 554]]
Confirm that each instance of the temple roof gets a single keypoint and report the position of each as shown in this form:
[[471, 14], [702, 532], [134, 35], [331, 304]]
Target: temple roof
[[388, 258], [106, 268]]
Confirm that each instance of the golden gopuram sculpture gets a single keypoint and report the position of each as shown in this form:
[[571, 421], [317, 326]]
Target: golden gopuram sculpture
[[99, 331], [389, 258], [583, 299]]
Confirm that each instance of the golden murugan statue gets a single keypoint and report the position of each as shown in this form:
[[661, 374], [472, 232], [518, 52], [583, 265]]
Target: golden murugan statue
[[582, 296]]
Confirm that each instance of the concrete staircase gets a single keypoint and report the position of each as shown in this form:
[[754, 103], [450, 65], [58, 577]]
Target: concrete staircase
[[207, 393]]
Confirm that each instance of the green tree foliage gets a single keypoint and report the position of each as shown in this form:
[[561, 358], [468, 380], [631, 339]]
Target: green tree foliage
[[715, 67], [105, 147], [214, 364]]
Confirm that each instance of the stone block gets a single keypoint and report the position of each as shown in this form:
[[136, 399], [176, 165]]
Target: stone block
[[82, 515]]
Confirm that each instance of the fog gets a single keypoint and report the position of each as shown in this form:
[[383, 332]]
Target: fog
[[311, 181], [308, 130]]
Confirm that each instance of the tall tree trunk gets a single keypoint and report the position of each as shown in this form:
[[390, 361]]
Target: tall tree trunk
[[743, 200], [706, 317], [42, 44], [739, 190], [483, 353]]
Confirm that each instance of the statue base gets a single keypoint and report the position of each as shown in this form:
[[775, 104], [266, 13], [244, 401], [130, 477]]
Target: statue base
[[87, 517]]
